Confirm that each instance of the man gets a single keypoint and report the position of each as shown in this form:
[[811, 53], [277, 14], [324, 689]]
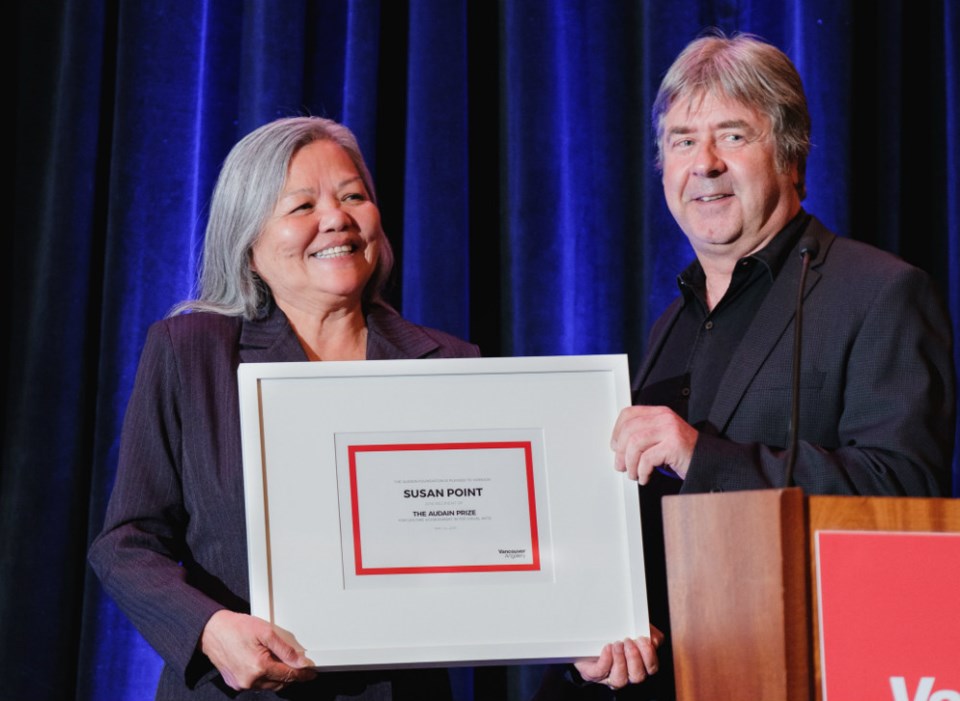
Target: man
[[877, 405]]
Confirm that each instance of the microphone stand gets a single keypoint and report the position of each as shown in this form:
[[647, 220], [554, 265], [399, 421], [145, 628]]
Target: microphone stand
[[809, 248]]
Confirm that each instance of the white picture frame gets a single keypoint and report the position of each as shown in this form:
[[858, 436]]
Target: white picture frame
[[418, 600]]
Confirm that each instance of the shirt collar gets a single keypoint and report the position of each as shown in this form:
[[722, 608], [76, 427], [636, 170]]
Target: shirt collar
[[772, 256], [775, 253]]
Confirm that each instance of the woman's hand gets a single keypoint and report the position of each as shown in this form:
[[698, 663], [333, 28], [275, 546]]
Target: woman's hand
[[251, 654], [621, 663]]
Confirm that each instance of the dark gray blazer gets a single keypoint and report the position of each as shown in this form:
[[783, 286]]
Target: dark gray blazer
[[877, 382], [173, 548]]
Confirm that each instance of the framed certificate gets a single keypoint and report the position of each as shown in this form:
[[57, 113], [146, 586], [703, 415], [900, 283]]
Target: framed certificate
[[441, 512]]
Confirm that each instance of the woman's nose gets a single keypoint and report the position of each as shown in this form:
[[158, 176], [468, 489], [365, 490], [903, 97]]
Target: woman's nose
[[334, 218]]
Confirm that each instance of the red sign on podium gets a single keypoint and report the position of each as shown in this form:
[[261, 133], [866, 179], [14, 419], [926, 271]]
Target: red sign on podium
[[889, 615]]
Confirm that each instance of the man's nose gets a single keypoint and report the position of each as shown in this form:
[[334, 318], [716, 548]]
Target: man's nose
[[708, 162]]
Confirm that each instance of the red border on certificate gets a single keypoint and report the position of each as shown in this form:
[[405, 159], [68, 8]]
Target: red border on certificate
[[525, 446]]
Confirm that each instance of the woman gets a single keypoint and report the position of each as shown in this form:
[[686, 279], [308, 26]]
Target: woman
[[295, 260]]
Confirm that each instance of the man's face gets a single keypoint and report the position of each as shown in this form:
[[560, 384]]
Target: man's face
[[720, 177]]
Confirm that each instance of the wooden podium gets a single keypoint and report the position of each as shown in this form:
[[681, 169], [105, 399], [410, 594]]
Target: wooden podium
[[742, 583]]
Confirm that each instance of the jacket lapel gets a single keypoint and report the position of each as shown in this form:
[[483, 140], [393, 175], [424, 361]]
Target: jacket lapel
[[767, 328], [660, 333], [269, 340], [391, 337]]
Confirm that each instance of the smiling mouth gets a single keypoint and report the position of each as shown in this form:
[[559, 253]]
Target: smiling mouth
[[711, 198], [335, 251]]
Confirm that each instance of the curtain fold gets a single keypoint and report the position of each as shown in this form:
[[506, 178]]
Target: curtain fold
[[359, 84], [570, 166], [512, 149], [50, 348], [951, 88], [436, 224]]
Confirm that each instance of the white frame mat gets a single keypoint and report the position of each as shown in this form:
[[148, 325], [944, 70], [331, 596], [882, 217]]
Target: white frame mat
[[582, 586]]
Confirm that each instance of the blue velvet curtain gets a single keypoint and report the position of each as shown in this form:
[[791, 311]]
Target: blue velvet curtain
[[511, 146]]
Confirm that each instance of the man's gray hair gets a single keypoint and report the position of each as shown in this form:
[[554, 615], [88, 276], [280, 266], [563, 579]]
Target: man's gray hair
[[246, 193], [752, 72]]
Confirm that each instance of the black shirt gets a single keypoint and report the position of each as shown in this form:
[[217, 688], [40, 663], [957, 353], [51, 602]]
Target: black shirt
[[702, 343], [686, 377]]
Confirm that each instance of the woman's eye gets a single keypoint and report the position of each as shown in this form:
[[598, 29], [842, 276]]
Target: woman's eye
[[354, 197]]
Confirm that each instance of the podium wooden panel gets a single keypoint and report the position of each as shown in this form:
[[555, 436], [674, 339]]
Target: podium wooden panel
[[742, 584]]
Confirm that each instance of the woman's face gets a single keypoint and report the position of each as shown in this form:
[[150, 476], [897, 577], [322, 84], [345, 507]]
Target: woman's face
[[321, 244]]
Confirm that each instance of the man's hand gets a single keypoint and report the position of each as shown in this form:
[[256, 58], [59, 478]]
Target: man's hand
[[251, 654], [647, 437], [622, 663]]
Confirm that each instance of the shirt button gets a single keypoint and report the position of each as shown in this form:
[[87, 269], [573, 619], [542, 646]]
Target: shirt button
[[685, 391], [708, 325]]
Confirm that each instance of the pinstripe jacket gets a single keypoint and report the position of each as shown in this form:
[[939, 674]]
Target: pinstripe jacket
[[173, 548]]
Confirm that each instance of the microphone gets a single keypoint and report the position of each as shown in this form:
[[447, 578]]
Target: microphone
[[809, 249], [809, 246]]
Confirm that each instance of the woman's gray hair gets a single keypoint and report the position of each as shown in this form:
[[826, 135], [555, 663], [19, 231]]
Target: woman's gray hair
[[752, 72], [246, 193]]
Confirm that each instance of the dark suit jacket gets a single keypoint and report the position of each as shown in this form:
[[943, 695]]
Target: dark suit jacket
[[173, 548], [877, 406], [877, 382]]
